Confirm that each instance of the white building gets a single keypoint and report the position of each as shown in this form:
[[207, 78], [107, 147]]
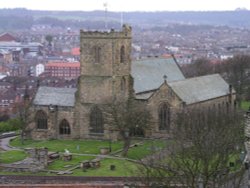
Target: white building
[[39, 69]]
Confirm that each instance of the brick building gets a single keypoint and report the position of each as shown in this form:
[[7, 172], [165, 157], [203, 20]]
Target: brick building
[[65, 70], [7, 37], [107, 73]]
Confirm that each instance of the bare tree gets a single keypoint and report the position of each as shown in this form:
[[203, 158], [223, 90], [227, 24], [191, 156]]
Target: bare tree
[[199, 67], [129, 118], [24, 113], [205, 142], [237, 72]]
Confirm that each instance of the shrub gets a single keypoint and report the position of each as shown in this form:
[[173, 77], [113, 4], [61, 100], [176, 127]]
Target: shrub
[[11, 125]]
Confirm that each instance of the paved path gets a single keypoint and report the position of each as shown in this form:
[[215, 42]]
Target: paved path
[[4, 143]]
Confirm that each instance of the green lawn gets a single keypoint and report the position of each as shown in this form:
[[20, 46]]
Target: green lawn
[[122, 167], [148, 147], [59, 164], [7, 157], [93, 146], [245, 105], [74, 146]]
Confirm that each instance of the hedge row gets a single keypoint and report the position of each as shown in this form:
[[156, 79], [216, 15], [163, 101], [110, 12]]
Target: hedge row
[[11, 125]]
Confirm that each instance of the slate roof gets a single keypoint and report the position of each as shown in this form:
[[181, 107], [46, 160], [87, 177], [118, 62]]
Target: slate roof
[[148, 73], [201, 88], [148, 76], [55, 96], [144, 96]]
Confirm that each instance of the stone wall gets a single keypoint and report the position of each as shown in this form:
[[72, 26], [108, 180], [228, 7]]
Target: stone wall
[[54, 119], [165, 95], [37, 161]]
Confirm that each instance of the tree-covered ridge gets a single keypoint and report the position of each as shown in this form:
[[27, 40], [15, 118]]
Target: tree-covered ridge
[[24, 19]]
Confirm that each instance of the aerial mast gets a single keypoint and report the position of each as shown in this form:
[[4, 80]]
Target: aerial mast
[[121, 19], [106, 12]]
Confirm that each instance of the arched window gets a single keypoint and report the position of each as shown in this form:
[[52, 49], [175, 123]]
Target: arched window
[[123, 84], [136, 131], [96, 120], [122, 55], [41, 120], [64, 127], [97, 54], [164, 117]]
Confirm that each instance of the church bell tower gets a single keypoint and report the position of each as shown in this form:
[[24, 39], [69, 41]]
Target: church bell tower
[[105, 74], [105, 65]]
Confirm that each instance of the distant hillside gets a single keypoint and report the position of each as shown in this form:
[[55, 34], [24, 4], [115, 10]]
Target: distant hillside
[[24, 19]]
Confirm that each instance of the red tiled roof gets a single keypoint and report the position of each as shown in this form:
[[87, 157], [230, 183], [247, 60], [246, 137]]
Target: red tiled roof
[[6, 37], [167, 55], [75, 51], [62, 64]]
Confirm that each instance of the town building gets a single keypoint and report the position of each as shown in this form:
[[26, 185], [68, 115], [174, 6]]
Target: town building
[[7, 37], [67, 70], [39, 69], [107, 74], [14, 51]]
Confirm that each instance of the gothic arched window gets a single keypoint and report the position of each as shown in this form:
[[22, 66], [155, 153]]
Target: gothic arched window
[[122, 55], [97, 54], [164, 117], [123, 84], [64, 127], [41, 120], [96, 120]]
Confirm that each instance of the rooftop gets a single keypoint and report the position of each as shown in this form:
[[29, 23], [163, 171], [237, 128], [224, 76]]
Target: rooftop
[[63, 64], [201, 88], [55, 96], [149, 73]]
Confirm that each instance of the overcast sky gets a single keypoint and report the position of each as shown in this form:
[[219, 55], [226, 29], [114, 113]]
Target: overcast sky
[[127, 5]]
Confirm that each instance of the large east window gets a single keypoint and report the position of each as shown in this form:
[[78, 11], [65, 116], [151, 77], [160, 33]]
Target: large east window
[[164, 117]]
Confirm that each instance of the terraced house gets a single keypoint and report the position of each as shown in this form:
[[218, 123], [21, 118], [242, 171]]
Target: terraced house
[[107, 73]]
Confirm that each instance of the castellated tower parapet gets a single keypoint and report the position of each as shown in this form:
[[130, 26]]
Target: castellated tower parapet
[[125, 33], [106, 53]]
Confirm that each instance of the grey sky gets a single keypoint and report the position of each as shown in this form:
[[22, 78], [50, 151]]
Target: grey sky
[[127, 5]]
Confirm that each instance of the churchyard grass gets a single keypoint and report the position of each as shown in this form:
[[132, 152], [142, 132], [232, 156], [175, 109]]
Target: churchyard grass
[[60, 164], [12, 156], [122, 168], [92, 147], [148, 147], [74, 146], [245, 105]]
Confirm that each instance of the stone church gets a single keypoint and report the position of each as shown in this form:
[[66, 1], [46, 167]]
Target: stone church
[[108, 73]]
